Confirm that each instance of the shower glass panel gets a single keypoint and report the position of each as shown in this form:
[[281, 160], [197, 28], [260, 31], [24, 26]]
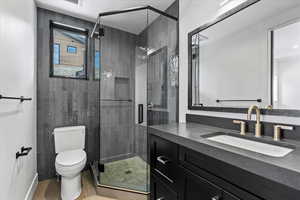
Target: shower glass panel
[[138, 88], [162, 70]]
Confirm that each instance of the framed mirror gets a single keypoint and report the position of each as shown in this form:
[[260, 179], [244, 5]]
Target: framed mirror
[[249, 54]]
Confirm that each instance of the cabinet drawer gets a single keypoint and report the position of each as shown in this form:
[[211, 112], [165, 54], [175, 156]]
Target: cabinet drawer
[[164, 159], [211, 169], [160, 191], [194, 187]]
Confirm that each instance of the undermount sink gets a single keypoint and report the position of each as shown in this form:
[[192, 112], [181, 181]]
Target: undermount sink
[[252, 145]]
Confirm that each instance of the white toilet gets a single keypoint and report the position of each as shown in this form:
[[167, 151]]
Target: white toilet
[[70, 159]]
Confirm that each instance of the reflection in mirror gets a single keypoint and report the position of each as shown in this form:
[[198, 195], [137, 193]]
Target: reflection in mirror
[[230, 61], [158, 79], [286, 66]]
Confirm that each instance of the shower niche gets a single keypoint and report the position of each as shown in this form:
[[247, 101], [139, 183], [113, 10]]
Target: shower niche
[[122, 88]]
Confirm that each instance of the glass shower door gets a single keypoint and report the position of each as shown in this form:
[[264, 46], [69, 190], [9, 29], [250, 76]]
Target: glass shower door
[[123, 99], [138, 89]]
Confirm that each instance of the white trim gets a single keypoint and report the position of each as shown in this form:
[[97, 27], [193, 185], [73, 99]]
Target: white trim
[[32, 188]]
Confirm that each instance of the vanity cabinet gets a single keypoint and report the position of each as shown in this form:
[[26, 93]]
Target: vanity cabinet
[[195, 187], [180, 176]]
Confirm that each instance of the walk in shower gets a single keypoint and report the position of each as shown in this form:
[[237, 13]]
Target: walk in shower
[[138, 77]]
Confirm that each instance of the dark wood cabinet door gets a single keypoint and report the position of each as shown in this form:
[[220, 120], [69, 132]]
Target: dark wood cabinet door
[[194, 187], [164, 160], [227, 196], [160, 190]]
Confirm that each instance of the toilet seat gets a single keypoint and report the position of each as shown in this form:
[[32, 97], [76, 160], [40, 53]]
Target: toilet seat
[[70, 158]]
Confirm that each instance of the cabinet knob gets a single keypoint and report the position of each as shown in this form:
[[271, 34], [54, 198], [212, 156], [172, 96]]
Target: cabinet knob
[[216, 198]]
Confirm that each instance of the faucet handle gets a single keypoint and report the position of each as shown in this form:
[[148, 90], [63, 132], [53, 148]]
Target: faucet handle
[[238, 122], [243, 126], [284, 127], [269, 107], [278, 128]]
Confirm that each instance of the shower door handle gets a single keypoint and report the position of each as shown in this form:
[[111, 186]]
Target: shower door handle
[[141, 113]]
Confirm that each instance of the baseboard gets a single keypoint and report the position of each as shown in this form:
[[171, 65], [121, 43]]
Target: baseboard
[[32, 188], [120, 194]]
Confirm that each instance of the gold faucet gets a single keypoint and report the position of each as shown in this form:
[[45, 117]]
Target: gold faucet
[[257, 125]]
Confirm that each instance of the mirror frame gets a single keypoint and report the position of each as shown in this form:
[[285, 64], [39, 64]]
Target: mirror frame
[[282, 112]]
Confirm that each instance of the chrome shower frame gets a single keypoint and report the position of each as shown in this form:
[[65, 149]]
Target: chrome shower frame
[[115, 12]]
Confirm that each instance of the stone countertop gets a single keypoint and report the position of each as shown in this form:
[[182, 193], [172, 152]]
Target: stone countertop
[[284, 170]]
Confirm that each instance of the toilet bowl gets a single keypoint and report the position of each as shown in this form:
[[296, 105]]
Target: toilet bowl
[[69, 164], [70, 159]]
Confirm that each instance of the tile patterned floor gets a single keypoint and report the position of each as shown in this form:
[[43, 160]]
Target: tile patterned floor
[[50, 190], [131, 173]]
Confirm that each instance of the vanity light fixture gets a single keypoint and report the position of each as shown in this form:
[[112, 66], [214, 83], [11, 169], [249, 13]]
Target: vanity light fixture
[[224, 2], [73, 1], [79, 3], [227, 5], [296, 46]]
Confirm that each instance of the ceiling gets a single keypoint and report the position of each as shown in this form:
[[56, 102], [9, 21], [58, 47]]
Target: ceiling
[[266, 13], [89, 10]]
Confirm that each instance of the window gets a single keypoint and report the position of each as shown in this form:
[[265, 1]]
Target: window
[[97, 65], [56, 54], [97, 61], [69, 51]]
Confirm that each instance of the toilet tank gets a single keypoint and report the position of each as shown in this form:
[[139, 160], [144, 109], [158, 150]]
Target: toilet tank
[[69, 138]]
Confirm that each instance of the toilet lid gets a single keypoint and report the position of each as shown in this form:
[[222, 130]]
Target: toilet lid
[[69, 158]]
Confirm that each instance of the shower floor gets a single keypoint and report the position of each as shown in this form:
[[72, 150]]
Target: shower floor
[[131, 174]]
